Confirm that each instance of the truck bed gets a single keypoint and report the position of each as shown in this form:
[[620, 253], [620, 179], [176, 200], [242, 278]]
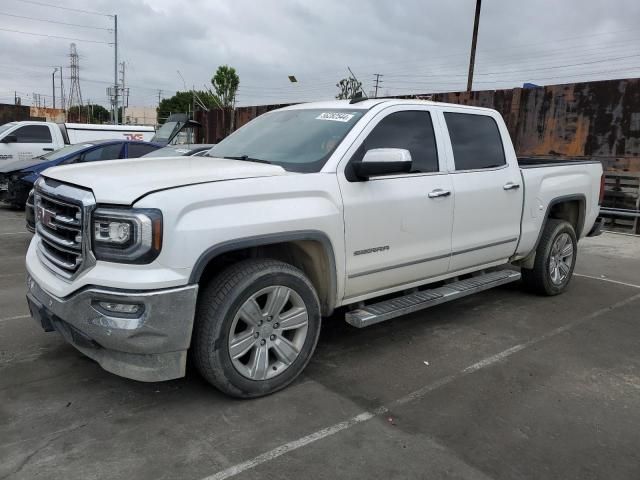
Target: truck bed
[[546, 180]]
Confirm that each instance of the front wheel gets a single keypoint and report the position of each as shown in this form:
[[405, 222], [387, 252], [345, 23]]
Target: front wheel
[[257, 325], [555, 259]]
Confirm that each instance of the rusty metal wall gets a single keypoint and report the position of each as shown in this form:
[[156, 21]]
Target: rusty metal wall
[[13, 113], [598, 120], [50, 114]]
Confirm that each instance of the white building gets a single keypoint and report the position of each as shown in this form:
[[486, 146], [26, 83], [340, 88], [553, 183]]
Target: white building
[[140, 116]]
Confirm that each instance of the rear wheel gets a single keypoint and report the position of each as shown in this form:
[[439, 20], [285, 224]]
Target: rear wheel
[[257, 325], [555, 259]]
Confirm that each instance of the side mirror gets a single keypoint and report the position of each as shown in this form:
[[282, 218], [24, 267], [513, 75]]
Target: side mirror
[[383, 161], [11, 138]]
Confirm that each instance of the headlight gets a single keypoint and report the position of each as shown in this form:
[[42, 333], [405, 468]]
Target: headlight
[[128, 235]]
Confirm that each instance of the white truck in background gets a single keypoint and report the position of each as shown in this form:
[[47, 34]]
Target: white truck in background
[[29, 139], [383, 207]]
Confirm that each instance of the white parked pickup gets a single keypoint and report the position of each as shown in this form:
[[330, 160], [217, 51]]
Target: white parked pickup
[[235, 258], [29, 139]]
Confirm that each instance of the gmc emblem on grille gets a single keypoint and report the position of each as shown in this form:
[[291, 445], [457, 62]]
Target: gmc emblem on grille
[[46, 217]]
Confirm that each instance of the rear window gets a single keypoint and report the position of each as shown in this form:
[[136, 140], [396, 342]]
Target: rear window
[[475, 140], [106, 152]]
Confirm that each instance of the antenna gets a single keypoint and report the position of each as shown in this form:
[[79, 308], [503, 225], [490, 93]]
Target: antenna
[[356, 79]]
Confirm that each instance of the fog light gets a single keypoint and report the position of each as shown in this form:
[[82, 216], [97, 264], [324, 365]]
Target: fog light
[[126, 308]]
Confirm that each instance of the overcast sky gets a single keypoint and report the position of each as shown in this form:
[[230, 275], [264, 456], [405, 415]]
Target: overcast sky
[[419, 46]]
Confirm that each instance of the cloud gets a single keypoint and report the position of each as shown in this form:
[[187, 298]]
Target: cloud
[[418, 46]]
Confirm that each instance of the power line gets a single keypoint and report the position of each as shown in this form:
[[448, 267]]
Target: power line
[[394, 77], [53, 21], [52, 36], [42, 4], [527, 70], [409, 87], [500, 62], [499, 49]]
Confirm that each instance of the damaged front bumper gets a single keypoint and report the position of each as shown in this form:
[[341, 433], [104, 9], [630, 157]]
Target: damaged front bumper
[[139, 335], [13, 190]]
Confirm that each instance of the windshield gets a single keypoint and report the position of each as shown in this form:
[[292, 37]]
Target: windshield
[[64, 151], [6, 126], [297, 140], [165, 132]]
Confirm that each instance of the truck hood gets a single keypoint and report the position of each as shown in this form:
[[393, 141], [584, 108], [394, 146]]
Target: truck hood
[[124, 181]]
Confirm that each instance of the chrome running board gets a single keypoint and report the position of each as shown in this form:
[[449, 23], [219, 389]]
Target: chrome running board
[[396, 307]]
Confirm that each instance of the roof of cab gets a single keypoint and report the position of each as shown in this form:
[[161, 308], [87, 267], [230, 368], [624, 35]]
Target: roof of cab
[[112, 140], [372, 102]]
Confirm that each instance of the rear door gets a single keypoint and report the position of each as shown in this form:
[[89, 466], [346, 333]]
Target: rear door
[[395, 233], [488, 190]]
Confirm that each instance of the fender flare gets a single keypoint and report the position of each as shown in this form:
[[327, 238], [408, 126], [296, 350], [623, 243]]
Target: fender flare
[[582, 201], [270, 239]]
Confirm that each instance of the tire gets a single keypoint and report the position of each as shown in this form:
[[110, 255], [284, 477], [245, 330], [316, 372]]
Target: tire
[[544, 278], [239, 306]]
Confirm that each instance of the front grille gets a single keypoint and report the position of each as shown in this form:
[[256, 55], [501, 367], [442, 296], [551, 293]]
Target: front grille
[[62, 215]]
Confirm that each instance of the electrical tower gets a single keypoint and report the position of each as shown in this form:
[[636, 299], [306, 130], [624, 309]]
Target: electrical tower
[[75, 95]]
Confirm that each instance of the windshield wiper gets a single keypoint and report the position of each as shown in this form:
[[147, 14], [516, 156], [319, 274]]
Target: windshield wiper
[[247, 158]]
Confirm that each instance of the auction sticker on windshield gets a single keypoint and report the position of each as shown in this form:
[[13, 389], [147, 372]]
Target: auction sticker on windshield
[[335, 116]]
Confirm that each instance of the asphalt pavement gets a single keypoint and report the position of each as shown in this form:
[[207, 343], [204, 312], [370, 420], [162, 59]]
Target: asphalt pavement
[[499, 385]]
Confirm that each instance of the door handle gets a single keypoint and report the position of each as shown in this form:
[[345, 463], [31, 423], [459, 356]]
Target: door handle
[[438, 192], [48, 149], [511, 186]]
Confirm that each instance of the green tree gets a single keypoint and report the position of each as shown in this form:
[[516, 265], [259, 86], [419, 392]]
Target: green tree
[[182, 102], [225, 84], [89, 113], [349, 87]]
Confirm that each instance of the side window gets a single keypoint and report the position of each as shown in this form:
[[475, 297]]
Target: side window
[[475, 140], [411, 130], [33, 134], [108, 152], [139, 149]]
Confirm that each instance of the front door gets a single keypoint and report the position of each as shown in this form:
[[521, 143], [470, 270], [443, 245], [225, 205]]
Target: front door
[[32, 141], [396, 233]]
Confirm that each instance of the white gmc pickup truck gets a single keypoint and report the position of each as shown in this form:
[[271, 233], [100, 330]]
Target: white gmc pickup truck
[[382, 207]]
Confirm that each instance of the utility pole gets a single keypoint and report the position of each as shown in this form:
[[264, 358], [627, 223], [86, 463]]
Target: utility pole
[[159, 95], [115, 70], [53, 86], [124, 91], [377, 84], [62, 102], [474, 40]]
